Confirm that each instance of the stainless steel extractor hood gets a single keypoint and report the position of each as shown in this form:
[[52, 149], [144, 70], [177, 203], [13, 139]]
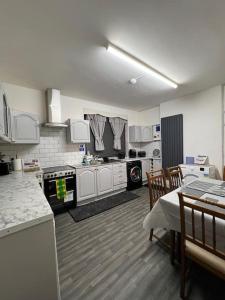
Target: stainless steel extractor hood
[[54, 109]]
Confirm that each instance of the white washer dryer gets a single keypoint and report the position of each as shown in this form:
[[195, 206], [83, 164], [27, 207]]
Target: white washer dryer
[[191, 172]]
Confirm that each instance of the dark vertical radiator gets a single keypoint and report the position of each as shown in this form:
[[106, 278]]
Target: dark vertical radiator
[[172, 140]]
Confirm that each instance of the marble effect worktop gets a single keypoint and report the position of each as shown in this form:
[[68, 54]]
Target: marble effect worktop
[[22, 203], [80, 166]]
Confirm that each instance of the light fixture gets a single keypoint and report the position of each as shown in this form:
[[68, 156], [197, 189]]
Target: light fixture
[[140, 64]]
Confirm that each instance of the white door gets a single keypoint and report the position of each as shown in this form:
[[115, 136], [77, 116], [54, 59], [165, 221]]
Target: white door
[[105, 179], [80, 131], [25, 128], [145, 168], [86, 183], [146, 134]]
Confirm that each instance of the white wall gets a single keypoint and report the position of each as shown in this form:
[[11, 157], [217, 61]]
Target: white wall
[[53, 148], [150, 116], [202, 117], [33, 101]]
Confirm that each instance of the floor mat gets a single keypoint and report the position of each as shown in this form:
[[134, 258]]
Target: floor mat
[[91, 209]]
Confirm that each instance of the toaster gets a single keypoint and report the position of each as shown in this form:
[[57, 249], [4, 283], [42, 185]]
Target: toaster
[[141, 153], [132, 153]]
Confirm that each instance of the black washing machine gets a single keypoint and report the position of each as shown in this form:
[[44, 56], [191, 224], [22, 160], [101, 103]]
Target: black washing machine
[[134, 174]]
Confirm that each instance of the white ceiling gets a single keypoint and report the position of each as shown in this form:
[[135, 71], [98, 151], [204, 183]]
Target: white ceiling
[[60, 43]]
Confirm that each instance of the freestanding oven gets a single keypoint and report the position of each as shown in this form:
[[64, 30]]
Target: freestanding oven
[[50, 176]]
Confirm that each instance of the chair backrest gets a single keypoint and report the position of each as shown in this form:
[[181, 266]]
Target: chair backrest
[[201, 213], [175, 177], [156, 185]]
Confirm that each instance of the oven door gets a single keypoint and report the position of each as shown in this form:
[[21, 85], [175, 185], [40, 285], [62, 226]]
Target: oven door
[[51, 194]]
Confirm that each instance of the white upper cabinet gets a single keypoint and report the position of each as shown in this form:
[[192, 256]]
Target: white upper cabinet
[[105, 179], [5, 119], [2, 114], [86, 183], [134, 134], [146, 134], [138, 134], [25, 128], [78, 131]]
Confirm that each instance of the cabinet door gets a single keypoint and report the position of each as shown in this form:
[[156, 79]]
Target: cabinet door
[[25, 128], [145, 168], [119, 174], [2, 114], [86, 183], [104, 179], [79, 131], [146, 134], [134, 134], [157, 164]]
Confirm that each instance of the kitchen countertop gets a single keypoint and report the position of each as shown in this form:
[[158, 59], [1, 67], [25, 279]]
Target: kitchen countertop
[[22, 203], [80, 166]]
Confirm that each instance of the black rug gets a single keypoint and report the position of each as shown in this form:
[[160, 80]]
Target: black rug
[[91, 209]]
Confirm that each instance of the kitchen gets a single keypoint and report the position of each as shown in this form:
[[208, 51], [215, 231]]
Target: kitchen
[[76, 149]]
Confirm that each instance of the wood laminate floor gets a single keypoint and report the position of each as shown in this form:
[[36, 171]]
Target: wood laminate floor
[[109, 256]]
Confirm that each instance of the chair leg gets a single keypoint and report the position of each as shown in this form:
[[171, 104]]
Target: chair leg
[[151, 235], [183, 277], [172, 246], [179, 247]]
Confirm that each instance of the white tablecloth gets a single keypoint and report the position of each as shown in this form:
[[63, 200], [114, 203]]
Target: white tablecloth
[[166, 214]]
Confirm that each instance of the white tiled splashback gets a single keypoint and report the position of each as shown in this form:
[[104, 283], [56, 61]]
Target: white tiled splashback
[[52, 150]]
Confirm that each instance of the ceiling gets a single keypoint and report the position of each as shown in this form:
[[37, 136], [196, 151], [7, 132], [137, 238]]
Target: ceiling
[[61, 44]]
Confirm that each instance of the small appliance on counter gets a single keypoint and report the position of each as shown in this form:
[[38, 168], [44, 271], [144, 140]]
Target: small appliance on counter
[[141, 153], [4, 168], [132, 153], [121, 155]]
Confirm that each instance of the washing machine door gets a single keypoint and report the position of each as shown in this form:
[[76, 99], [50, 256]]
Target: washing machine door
[[135, 174]]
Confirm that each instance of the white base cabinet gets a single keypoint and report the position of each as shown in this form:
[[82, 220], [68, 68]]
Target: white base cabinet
[[94, 182], [86, 183], [104, 179], [119, 176], [146, 167]]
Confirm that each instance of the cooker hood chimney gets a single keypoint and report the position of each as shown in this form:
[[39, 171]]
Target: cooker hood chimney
[[54, 109]]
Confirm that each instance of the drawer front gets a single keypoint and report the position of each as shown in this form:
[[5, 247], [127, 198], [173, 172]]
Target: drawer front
[[118, 179], [120, 186], [119, 168]]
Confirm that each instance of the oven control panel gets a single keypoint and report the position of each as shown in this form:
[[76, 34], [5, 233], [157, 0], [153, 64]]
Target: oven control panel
[[59, 174]]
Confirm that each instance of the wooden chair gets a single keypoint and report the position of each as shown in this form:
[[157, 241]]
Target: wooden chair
[[194, 245], [175, 177], [157, 189]]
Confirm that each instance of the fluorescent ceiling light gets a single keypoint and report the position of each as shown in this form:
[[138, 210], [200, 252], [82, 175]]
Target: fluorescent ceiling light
[[139, 64]]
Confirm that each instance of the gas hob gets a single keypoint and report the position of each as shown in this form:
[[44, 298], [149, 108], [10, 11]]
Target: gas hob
[[58, 171]]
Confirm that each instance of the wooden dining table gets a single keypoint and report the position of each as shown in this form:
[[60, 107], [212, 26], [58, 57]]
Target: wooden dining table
[[166, 211]]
